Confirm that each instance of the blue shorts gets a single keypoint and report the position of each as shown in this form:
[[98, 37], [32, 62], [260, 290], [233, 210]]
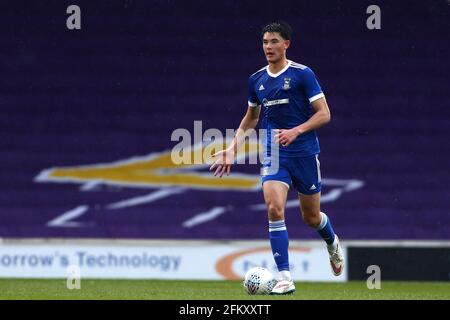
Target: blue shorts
[[303, 173]]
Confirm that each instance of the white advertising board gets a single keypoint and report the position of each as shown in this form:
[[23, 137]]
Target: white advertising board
[[207, 261]]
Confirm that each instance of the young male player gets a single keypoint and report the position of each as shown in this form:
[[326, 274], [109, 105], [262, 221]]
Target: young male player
[[294, 106]]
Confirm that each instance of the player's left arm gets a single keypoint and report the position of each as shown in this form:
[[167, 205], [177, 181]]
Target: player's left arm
[[320, 117]]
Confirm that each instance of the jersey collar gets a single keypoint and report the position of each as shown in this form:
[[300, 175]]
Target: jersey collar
[[274, 75]]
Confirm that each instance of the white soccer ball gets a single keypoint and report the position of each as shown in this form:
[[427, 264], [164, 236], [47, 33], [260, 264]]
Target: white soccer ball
[[259, 280]]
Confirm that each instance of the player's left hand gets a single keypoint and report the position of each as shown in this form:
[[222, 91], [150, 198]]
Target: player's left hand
[[286, 136]]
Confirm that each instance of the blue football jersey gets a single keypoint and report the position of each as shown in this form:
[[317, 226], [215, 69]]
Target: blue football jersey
[[285, 98]]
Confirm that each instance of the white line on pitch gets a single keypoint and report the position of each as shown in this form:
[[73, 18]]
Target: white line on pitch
[[204, 217], [162, 193]]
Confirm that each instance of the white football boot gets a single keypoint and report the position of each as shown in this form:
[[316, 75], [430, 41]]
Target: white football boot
[[336, 259], [283, 287]]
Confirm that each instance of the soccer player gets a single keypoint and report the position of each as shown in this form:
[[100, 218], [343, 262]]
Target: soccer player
[[294, 106]]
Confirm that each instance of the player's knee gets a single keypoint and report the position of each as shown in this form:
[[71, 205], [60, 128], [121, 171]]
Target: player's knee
[[311, 218], [275, 212]]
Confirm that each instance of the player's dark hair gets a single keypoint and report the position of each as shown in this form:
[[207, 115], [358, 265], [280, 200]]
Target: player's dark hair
[[283, 28]]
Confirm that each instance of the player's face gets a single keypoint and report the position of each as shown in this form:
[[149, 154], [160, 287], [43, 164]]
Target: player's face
[[274, 46]]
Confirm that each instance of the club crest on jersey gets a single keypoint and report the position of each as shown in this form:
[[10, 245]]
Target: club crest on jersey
[[287, 84]]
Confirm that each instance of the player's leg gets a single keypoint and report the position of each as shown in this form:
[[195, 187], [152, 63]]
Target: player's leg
[[275, 195], [313, 217], [275, 184], [306, 179], [310, 210]]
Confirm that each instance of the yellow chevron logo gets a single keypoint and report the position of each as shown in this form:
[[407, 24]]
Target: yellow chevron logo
[[156, 170]]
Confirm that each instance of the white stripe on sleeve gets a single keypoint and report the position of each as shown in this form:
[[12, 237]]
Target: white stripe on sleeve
[[316, 97]]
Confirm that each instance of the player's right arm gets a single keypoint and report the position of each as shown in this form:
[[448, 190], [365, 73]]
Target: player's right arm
[[225, 158]]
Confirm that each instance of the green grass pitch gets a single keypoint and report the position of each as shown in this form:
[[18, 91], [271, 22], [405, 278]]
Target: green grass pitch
[[213, 290]]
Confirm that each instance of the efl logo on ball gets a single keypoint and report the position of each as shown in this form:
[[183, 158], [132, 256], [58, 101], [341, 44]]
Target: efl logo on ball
[[259, 280]]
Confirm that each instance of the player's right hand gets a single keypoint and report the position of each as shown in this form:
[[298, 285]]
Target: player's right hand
[[225, 159]]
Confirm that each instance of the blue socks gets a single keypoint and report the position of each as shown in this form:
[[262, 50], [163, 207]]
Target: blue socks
[[325, 229], [280, 242]]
